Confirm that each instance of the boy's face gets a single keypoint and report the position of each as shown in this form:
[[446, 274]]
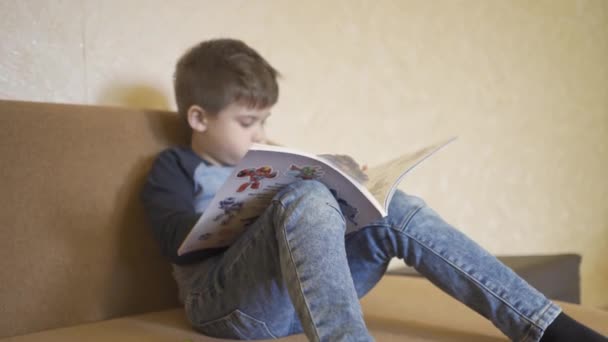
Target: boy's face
[[225, 138]]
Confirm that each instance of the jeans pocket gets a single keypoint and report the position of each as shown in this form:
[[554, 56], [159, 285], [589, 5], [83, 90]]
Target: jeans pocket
[[237, 325]]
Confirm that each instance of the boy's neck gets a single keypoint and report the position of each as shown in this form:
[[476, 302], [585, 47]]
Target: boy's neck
[[204, 155]]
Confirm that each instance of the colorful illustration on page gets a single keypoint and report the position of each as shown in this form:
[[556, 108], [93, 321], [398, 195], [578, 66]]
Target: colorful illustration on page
[[230, 207], [255, 177], [307, 172]]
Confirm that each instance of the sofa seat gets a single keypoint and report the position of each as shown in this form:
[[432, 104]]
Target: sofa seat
[[397, 309]]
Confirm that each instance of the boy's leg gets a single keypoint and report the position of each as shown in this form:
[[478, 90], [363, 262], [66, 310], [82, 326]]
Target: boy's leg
[[249, 277], [453, 262], [294, 253]]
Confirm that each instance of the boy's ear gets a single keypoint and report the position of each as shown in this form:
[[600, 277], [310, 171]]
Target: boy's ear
[[197, 118]]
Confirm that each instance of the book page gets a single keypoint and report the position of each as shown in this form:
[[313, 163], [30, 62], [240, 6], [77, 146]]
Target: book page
[[384, 178], [348, 165], [258, 177]]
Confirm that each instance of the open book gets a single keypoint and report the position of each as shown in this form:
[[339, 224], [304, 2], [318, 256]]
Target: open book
[[363, 196]]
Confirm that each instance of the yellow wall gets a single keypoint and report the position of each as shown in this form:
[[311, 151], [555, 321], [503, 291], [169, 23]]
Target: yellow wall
[[524, 84]]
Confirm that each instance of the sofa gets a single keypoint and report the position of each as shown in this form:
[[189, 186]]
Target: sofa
[[557, 276], [78, 262]]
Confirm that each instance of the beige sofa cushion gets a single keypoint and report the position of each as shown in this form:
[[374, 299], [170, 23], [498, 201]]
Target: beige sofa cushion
[[74, 246], [171, 326], [397, 309]]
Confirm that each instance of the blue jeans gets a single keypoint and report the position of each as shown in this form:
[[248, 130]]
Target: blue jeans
[[294, 270]]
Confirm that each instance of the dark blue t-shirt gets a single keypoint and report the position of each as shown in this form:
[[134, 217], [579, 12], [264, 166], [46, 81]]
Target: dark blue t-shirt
[[179, 186]]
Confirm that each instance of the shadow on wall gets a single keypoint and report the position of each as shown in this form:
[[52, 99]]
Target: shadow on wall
[[141, 96]]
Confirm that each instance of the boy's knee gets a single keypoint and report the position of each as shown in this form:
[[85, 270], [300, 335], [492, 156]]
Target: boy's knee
[[402, 199], [306, 195], [403, 207], [311, 204], [308, 186], [304, 188]]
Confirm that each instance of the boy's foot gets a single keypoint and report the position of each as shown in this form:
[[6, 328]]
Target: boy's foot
[[565, 328]]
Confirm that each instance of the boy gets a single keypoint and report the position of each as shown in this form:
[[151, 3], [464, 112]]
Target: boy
[[293, 270]]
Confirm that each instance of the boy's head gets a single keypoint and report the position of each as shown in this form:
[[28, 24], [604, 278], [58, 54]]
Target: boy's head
[[224, 90]]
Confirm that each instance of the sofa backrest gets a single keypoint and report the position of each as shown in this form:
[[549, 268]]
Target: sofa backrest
[[74, 244]]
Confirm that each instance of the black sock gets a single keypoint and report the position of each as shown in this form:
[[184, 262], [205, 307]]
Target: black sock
[[564, 328]]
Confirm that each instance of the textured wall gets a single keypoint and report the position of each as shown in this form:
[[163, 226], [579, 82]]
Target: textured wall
[[523, 84]]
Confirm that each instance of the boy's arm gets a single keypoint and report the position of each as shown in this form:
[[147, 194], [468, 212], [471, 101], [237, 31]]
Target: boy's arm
[[167, 197]]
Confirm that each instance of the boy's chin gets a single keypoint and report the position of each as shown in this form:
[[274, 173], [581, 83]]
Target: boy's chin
[[233, 161]]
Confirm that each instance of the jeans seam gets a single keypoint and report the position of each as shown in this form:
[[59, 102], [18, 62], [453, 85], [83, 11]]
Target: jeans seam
[[298, 276], [540, 315], [262, 323], [532, 325], [339, 213], [528, 331], [529, 320], [406, 221], [237, 330]]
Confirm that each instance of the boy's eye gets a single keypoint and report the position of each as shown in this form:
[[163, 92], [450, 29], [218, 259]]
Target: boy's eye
[[246, 123]]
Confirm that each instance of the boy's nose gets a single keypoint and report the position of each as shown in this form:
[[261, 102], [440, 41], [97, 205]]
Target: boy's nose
[[259, 136]]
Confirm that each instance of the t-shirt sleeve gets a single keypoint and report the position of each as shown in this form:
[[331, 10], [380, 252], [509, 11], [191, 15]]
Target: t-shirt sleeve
[[168, 197]]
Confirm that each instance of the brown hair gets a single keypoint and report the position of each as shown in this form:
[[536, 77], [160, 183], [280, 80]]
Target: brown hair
[[216, 73]]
